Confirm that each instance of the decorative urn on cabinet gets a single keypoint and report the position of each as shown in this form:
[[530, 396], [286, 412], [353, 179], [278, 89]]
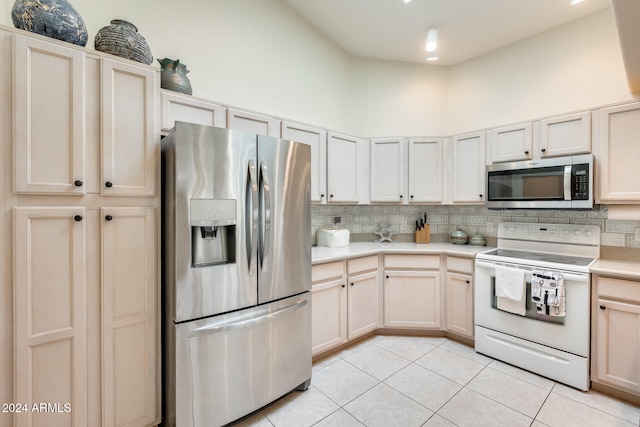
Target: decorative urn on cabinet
[[52, 18], [122, 39], [174, 76]]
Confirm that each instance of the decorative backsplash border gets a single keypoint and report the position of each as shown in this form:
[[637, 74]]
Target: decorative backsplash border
[[472, 219]]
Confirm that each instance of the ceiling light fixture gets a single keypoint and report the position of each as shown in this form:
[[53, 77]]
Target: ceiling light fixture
[[407, 1], [432, 58], [432, 40], [576, 1]]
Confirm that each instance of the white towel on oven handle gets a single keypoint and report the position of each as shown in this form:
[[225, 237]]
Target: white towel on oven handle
[[510, 283]]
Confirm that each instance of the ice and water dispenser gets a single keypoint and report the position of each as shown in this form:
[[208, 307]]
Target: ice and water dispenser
[[213, 231]]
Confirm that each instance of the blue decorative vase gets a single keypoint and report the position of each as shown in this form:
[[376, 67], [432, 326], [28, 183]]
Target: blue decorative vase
[[52, 18]]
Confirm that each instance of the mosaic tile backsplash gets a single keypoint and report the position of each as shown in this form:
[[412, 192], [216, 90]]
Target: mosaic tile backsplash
[[472, 219]]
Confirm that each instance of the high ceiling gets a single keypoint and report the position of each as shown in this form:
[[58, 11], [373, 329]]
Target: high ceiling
[[393, 30]]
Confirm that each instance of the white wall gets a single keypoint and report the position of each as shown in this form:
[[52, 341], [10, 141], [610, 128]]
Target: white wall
[[260, 55], [573, 67], [399, 99]]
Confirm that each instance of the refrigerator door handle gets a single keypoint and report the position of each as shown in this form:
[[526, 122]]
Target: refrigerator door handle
[[217, 328], [265, 211], [251, 214]]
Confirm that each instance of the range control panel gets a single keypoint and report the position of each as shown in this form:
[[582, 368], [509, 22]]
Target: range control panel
[[557, 233]]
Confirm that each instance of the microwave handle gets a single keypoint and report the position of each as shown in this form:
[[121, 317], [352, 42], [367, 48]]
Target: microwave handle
[[567, 182]]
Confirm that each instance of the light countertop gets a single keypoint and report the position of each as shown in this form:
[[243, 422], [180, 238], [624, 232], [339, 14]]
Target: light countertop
[[320, 254], [617, 268]]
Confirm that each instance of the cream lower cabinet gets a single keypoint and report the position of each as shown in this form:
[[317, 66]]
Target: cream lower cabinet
[[459, 285], [344, 298], [54, 349], [130, 339], [329, 306], [616, 334], [412, 291], [50, 313]]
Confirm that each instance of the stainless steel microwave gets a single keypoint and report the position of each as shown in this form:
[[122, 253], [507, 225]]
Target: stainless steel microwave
[[554, 183]]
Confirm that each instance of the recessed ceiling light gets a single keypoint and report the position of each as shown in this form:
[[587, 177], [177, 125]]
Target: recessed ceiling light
[[407, 1], [576, 1], [432, 58], [432, 40]]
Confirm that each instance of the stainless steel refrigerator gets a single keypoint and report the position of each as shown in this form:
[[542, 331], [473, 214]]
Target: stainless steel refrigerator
[[236, 273]]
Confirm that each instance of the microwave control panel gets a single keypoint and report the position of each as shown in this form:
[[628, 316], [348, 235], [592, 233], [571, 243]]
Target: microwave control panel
[[580, 182]]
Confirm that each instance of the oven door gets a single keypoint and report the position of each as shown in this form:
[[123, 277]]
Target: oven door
[[569, 333]]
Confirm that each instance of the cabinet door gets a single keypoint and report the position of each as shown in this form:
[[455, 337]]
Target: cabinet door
[[460, 304], [388, 161], [253, 123], [363, 304], [317, 139], [468, 180], [343, 168], [425, 170], [50, 353], [412, 299], [511, 143], [565, 135], [185, 108], [618, 344], [329, 315], [130, 138], [618, 153], [130, 357], [49, 118]]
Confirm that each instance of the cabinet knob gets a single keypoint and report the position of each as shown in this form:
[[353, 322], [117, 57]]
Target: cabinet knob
[[387, 277], [78, 217], [526, 152], [468, 282], [543, 150], [77, 183], [108, 217], [352, 284], [411, 196], [108, 184], [401, 196], [322, 196], [331, 195], [344, 286], [602, 307], [480, 196]]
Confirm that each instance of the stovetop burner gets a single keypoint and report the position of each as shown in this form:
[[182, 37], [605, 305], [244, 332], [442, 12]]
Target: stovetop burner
[[540, 257]]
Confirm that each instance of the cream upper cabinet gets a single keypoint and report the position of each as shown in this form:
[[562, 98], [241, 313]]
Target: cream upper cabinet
[[130, 138], [50, 312], [425, 170], [388, 164], [467, 153], [564, 136], [49, 118], [253, 122], [510, 143], [130, 334], [616, 334], [317, 139], [346, 167], [185, 108], [617, 150]]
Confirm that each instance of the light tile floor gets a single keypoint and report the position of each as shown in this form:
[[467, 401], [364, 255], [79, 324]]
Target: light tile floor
[[435, 382]]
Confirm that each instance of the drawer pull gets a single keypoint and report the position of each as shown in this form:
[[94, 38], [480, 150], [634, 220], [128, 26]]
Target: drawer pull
[[78, 218], [108, 184], [78, 183], [602, 307], [108, 217]]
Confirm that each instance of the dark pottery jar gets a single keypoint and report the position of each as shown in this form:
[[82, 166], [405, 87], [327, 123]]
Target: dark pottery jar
[[122, 39], [174, 76], [52, 18]]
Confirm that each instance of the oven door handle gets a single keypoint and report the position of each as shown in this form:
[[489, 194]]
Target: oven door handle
[[580, 278]]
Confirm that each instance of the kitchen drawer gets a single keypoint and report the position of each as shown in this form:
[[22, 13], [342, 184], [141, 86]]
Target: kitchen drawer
[[619, 289], [461, 265], [330, 270], [358, 265], [412, 261]]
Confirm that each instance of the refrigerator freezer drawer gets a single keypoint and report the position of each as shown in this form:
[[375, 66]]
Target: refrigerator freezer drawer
[[228, 366]]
